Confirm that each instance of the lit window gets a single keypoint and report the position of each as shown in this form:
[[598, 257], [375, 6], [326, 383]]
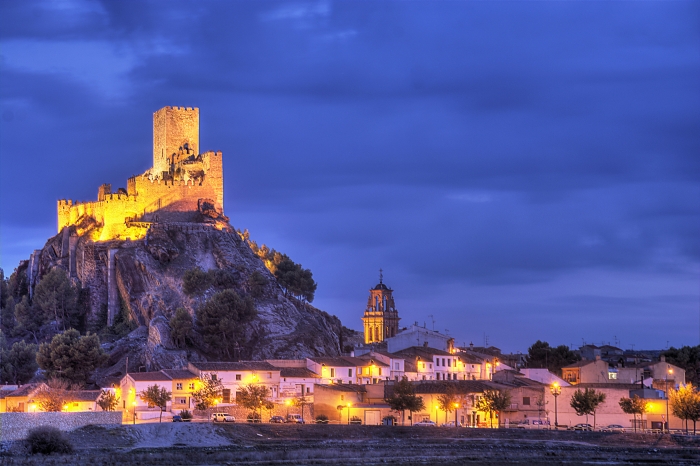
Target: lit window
[[191, 386], [612, 375], [380, 371], [178, 386], [332, 372]]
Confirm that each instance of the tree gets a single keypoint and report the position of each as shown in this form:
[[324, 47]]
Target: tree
[[70, 356], [7, 315], [633, 406], [685, 404], [28, 319], [586, 402], [688, 358], [494, 401], [540, 354], [223, 319], [108, 401], [300, 402], [52, 395], [155, 395], [448, 401], [18, 364], [208, 392], [253, 397], [57, 298], [181, 326], [403, 398]]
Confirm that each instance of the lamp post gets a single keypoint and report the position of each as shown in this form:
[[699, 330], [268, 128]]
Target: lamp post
[[556, 391], [287, 402], [668, 420], [133, 404], [456, 406], [474, 418], [349, 405]]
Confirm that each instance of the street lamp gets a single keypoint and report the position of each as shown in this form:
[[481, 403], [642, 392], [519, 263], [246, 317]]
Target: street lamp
[[349, 405], [668, 420], [556, 391], [287, 402], [134, 406], [456, 406]]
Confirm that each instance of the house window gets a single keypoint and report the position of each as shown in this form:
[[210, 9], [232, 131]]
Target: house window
[[423, 365], [612, 375], [238, 376], [349, 372], [178, 386], [308, 390], [423, 377], [226, 395], [213, 377], [332, 372], [437, 362], [269, 375], [443, 362], [380, 371], [449, 362], [526, 401], [359, 371], [431, 366], [182, 401], [342, 397], [191, 386], [396, 366]]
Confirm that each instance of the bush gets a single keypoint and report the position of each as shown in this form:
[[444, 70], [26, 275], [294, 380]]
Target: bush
[[195, 281], [355, 420], [47, 440], [185, 414], [254, 417], [322, 419]]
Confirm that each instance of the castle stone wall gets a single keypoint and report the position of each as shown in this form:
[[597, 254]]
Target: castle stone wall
[[168, 192]]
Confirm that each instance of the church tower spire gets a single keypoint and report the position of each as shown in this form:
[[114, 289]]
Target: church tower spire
[[381, 319]]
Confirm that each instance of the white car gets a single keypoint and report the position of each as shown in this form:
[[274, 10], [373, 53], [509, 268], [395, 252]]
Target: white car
[[222, 417], [425, 423]]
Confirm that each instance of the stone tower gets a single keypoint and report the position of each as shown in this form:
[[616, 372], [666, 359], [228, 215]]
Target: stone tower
[[381, 319], [175, 137]]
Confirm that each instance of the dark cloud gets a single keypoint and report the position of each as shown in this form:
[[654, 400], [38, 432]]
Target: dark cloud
[[473, 150]]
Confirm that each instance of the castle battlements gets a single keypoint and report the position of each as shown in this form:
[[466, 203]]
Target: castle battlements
[[169, 191]]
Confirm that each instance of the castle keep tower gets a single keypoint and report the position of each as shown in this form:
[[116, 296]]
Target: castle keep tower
[[381, 319], [175, 136]]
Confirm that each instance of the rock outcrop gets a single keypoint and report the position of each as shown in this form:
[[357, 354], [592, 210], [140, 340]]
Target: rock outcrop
[[146, 281]]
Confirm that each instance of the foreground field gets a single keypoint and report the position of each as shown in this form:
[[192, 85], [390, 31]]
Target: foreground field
[[263, 444]]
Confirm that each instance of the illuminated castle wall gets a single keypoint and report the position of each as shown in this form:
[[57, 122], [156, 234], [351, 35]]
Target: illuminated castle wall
[[169, 191]]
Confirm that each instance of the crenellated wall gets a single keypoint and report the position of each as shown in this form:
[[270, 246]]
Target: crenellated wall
[[167, 192]]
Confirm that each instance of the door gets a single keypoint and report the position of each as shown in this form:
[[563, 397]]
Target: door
[[373, 418]]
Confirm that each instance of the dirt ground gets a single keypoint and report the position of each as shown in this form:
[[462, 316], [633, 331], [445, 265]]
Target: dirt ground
[[275, 444]]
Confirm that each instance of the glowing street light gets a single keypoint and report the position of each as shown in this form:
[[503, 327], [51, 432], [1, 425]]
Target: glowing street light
[[556, 391], [287, 402], [456, 406], [349, 406], [668, 420]]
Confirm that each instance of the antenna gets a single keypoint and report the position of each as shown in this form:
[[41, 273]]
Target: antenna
[[431, 318], [381, 276]]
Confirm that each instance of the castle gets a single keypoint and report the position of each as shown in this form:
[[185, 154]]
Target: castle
[[180, 182]]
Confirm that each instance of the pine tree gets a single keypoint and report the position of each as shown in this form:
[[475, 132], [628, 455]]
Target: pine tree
[[223, 321], [181, 327], [70, 356]]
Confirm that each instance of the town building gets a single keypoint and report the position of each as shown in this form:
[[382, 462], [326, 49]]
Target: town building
[[235, 375]]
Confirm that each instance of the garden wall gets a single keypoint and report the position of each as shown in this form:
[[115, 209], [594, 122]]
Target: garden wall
[[14, 426]]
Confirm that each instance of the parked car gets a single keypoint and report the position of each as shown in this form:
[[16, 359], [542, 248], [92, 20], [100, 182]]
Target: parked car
[[582, 427], [277, 420], [425, 423], [222, 417], [177, 418], [294, 419], [451, 424], [613, 428]]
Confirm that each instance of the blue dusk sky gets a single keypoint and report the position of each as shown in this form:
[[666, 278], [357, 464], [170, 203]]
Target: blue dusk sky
[[519, 170]]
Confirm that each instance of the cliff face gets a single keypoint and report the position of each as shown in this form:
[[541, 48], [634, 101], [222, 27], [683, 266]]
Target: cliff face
[[145, 278]]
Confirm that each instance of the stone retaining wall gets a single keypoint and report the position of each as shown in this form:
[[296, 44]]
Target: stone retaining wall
[[14, 426]]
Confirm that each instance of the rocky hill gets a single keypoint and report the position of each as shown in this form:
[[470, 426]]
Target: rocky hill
[[144, 280]]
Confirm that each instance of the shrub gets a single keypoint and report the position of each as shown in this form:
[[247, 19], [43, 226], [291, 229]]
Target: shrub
[[322, 419], [355, 420], [185, 414], [254, 417], [195, 281], [47, 440]]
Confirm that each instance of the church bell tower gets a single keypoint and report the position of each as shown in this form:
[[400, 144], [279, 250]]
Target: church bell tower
[[381, 319]]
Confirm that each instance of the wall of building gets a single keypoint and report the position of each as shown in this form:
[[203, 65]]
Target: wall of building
[[15, 426]]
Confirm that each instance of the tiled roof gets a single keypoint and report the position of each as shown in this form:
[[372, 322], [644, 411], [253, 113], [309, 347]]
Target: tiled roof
[[149, 376], [423, 352], [336, 362], [461, 386], [355, 388], [581, 363], [179, 374], [240, 366], [367, 359], [24, 390], [300, 372]]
